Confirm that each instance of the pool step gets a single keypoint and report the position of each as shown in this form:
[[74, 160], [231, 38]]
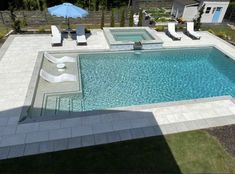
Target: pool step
[[61, 106]]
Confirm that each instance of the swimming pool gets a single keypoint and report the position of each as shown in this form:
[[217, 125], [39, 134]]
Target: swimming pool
[[124, 38], [121, 79], [131, 35]]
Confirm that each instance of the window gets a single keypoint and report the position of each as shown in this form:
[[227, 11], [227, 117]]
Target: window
[[208, 9], [213, 10]]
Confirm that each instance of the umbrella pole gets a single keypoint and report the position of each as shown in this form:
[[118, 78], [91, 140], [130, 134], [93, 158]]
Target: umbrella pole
[[68, 23]]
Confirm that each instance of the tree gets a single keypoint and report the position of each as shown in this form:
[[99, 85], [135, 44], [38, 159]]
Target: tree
[[197, 21], [140, 23], [102, 20], [129, 3], [15, 22], [131, 20], [122, 22], [112, 22]]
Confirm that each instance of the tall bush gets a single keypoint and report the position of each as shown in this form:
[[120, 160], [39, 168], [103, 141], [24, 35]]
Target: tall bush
[[140, 23], [102, 20], [112, 22], [197, 21], [131, 20], [15, 22], [122, 22]]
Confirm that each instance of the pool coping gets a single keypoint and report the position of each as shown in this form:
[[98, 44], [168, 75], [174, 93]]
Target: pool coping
[[33, 84], [112, 41]]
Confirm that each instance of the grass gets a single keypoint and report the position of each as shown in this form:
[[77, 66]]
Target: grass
[[217, 29], [3, 30], [190, 152]]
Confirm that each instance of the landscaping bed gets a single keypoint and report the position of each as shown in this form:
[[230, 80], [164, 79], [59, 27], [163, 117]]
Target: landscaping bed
[[226, 136]]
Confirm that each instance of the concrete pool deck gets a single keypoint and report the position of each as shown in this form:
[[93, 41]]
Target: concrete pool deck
[[17, 60]]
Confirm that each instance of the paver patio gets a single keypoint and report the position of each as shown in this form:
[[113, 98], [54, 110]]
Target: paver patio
[[17, 60]]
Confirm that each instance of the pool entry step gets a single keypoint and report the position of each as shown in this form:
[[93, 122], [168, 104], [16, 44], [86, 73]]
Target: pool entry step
[[61, 105]]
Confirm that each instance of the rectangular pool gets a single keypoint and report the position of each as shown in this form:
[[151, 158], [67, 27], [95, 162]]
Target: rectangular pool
[[135, 78]]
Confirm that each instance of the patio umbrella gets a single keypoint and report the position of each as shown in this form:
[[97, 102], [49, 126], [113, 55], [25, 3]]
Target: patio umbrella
[[67, 10]]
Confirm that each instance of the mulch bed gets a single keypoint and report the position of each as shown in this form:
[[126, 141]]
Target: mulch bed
[[226, 136]]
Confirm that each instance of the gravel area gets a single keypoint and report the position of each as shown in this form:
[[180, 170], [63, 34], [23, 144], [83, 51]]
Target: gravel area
[[226, 136]]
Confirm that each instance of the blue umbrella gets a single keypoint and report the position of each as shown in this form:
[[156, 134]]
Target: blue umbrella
[[67, 10]]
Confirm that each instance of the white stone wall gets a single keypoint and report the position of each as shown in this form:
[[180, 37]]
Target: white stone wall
[[177, 10], [190, 12], [207, 17]]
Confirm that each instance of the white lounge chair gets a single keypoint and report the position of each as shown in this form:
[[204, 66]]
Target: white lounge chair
[[59, 60], [190, 31], [81, 37], [57, 79], [172, 33], [56, 36], [136, 19]]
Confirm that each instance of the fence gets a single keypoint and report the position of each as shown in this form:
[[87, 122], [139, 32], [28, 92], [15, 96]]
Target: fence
[[35, 18]]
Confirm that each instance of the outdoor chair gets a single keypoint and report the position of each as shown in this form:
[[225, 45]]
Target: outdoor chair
[[56, 36], [190, 31], [57, 79], [172, 33], [58, 60], [81, 37]]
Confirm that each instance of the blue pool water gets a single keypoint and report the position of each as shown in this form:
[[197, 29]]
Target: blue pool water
[[131, 35], [125, 78]]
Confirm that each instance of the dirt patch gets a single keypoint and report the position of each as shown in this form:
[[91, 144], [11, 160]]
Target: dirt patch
[[226, 136]]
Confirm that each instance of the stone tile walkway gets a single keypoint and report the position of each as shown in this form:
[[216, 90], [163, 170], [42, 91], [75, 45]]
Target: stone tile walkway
[[16, 68]]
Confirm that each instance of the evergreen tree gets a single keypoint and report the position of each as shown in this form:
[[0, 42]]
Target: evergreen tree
[[131, 20], [140, 23], [122, 22], [112, 22], [197, 21], [102, 20]]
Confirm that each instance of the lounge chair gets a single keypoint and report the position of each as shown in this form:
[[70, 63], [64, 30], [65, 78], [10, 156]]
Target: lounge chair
[[172, 33], [57, 79], [59, 60], [81, 37], [56, 36], [136, 19], [190, 31]]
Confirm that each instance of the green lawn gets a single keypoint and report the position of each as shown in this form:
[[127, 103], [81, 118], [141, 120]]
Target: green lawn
[[219, 28], [191, 152], [3, 30]]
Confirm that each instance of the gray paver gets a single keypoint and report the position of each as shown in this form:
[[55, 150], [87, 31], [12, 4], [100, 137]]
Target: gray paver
[[13, 120], [3, 120], [102, 128], [10, 129], [24, 128], [16, 151], [13, 139], [125, 134], [48, 125], [60, 133], [88, 140], [113, 137], [75, 142], [100, 138], [149, 131], [60, 144], [137, 133], [81, 131], [31, 149], [46, 146], [37, 136], [4, 151]]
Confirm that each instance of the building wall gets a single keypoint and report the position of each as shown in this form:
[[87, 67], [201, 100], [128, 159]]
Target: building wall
[[207, 17], [177, 9], [190, 12]]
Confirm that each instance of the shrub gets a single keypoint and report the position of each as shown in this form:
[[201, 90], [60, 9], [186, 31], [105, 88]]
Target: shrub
[[1, 35], [112, 22], [140, 23], [102, 20], [24, 23], [122, 22], [131, 20], [159, 28], [41, 29], [221, 34], [211, 31], [87, 31]]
